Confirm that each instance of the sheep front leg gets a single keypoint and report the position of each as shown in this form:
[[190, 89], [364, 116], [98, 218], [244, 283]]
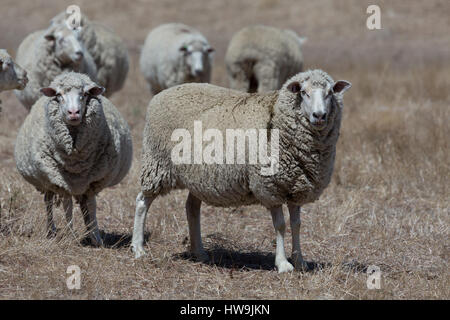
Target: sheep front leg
[[280, 257], [48, 199], [88, 207], [142, 205], [294, 214], [193, 205]]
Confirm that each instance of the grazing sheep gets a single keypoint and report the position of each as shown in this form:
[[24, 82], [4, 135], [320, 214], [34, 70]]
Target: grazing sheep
[[12, 76], [261, 58], [108, 50], [74, 143], [307, 114], [48, 53], [173, 54]]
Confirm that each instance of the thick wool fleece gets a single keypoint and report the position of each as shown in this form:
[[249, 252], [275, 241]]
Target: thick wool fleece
[[306, 156], [66, 160], [264, 57], [37, 56], [161, 61], [108, 51]]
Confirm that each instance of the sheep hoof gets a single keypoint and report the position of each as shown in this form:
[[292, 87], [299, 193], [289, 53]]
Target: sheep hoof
[[201, 256], [138, 251], [285, 266], [301, 265]]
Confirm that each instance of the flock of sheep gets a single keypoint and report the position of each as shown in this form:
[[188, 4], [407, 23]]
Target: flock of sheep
[[74, 142]]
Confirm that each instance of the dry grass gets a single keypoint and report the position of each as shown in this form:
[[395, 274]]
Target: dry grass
[[388, 203]]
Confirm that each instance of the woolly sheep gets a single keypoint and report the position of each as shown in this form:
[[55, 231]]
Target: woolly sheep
[[261, 58], [74, 143], [306, 112], [48, 53], [108, 50], [12, 76], [173, 54]]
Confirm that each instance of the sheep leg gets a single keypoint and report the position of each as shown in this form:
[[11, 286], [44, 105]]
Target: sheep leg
[[267, 75], [193, 205], [294, 214], [142, 205], [88, 207], [48, 199], [68, 209], [280, 257]]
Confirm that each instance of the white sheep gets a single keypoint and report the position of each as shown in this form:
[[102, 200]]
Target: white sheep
[[12, 76], [74, 143], [108, 50], [173, 54], [306, 113], [46, 54], [261, 58]]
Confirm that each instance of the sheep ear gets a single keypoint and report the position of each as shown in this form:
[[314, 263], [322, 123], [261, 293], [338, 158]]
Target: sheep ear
[[294, 87], [95, 90], [341, 86], [302, 40], [48, 92]]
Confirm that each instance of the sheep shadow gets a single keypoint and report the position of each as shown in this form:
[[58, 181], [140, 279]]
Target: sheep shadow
[[113, 240], [225, 255], [258, 260]]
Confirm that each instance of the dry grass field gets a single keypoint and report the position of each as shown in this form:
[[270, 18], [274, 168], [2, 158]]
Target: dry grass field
[[388, 203]]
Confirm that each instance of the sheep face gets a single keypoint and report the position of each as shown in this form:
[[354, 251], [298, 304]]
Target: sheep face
[[72, 102], [196, 56], [67, 45], [12, 76], [316, 99]]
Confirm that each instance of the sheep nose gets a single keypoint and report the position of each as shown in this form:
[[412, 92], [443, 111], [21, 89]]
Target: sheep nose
[[73, 114], [198, 72], [319, 115], [79, 55]]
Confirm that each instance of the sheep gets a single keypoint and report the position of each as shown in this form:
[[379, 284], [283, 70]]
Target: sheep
[[73, 143], [306, 113], [173, 54], [261, 58], [48, 53], [12, 76], [108, 50]]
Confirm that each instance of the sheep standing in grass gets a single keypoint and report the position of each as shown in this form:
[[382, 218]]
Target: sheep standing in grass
[[108, 50], [261, 58], [174, 54], [307, 114], [12, 76], [48, 53], [74, 143]]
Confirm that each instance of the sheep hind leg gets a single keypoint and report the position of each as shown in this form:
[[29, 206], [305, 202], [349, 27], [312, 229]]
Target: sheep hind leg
[[281, 262], [48, 199], [294, 214], [193, 205], [68, 210], [137, 242], [88, 207]]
